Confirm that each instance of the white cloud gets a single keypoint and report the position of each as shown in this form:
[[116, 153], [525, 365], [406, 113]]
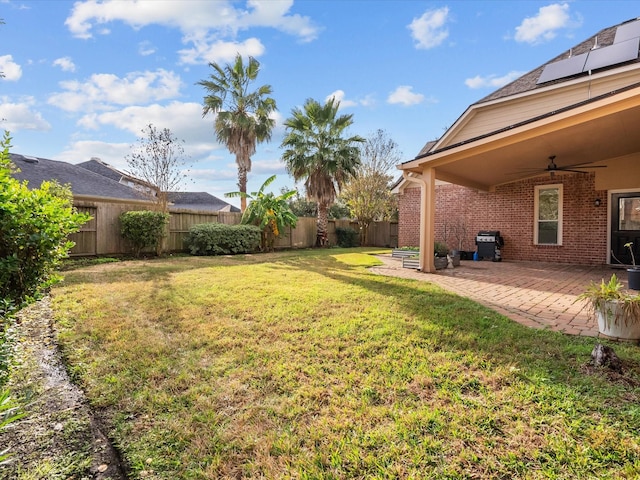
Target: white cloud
[[339, 96], [214, 174], [205, 24], [544, 25], [11, 70], [65, 63], [492, 80], [366, 101], [103, 90], [405, 96], [21, 116], [218, 51], [83, 150], [183, 119], [275, 14], [146, 48], [429, 30], [269, 167]]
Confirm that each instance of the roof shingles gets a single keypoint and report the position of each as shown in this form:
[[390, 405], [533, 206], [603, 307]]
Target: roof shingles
[[82, 181]]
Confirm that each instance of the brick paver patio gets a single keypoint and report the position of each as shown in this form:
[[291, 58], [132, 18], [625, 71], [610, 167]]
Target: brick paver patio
[[535, 294]]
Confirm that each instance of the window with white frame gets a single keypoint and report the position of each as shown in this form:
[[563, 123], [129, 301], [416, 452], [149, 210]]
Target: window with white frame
[[547, 229]]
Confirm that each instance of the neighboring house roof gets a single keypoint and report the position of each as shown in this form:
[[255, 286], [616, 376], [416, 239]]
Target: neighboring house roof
[[83, 182], [98, 166], [200, 201]]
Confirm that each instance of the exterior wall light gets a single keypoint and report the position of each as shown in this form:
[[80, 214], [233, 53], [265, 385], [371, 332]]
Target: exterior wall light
[[597, 202]]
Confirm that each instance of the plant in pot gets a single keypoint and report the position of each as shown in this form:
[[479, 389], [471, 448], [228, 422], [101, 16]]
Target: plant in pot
[[460, 232], [617, 310], [440, 250], [633, 273]]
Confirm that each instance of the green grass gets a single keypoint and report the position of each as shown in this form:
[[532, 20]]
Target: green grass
[[305, 365]]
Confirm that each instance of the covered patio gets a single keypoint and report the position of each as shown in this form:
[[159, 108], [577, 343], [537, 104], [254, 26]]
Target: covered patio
[[534, 294], [552, 159]]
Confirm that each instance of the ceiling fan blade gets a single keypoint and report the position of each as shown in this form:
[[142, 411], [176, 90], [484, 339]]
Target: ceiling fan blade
[[583, 165]]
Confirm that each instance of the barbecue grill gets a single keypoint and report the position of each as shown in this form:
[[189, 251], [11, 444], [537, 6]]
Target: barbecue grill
[[489, 243]]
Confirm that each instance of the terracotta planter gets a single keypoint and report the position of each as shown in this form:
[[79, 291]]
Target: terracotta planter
[[613, 324]]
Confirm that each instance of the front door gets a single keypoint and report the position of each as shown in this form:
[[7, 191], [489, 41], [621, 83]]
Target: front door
[[625, 226]]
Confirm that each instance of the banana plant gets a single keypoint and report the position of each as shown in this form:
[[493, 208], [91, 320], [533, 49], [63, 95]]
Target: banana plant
[[269, 212]]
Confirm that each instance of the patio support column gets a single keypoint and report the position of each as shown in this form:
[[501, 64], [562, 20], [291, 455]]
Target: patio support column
[[427, 181]]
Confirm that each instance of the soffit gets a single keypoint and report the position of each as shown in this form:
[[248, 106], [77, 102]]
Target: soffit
[[593, 132]]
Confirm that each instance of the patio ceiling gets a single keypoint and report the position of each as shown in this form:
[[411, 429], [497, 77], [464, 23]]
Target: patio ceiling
[[592, 132]]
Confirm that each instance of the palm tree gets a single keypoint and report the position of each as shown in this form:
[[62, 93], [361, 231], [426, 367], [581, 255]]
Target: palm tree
[[242, 118], [315, 150]]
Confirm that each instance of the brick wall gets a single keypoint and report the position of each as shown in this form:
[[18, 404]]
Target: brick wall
[[510, 209]]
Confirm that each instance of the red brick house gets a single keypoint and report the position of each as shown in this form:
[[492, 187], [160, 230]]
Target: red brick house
[[551, 160]]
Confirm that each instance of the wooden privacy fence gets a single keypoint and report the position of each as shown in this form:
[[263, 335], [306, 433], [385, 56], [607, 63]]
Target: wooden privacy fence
[[101, 235]]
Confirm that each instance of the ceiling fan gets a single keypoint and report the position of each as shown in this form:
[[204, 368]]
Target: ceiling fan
[[552, 167]]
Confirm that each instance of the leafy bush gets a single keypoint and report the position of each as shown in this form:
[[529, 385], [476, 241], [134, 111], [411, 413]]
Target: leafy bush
[[221, 239], [34, 226], [347, 237], [143, 228], [272, 214]]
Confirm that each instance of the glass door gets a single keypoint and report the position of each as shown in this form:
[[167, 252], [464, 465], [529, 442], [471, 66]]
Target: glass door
[[625, 226]]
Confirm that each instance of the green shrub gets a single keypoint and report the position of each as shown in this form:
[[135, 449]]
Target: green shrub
[[143, 229], [347, 237], [440, 249], [34, 226], [221, 239]]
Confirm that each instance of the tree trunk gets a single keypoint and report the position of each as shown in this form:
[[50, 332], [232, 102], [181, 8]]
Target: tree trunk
[[242, 186], [322, 237]]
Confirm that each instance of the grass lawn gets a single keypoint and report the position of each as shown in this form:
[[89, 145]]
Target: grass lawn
[[304, 365]]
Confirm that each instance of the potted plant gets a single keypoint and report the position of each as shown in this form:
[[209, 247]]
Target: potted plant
[[633, 273], [440, 250], [618, 311]]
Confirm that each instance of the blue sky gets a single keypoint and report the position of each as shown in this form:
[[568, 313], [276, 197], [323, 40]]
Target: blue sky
[[83, 78]]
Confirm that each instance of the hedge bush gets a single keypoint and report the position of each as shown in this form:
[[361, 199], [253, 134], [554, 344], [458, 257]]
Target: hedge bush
[[221, 239], [34, 226], [143, 228], [347, 237]]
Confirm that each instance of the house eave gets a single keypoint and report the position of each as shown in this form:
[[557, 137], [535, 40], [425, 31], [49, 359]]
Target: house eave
[[469, 113]]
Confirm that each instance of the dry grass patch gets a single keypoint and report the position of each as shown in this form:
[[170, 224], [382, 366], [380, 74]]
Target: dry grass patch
[[305, 365]]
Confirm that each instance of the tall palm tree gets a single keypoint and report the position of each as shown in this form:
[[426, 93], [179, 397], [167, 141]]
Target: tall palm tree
[[243, 116], [317, 151]]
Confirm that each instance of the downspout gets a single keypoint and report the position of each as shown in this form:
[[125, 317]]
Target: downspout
[[426, 180]]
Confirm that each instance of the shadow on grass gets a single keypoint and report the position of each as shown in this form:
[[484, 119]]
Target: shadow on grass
[[446, 322], [466, 326]]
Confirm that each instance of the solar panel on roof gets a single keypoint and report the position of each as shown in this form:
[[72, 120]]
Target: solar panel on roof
[[563, 68], [627, 31], [613, 54]]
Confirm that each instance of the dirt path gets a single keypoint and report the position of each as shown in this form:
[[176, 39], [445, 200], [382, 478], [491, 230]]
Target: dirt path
[[59, 437]]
